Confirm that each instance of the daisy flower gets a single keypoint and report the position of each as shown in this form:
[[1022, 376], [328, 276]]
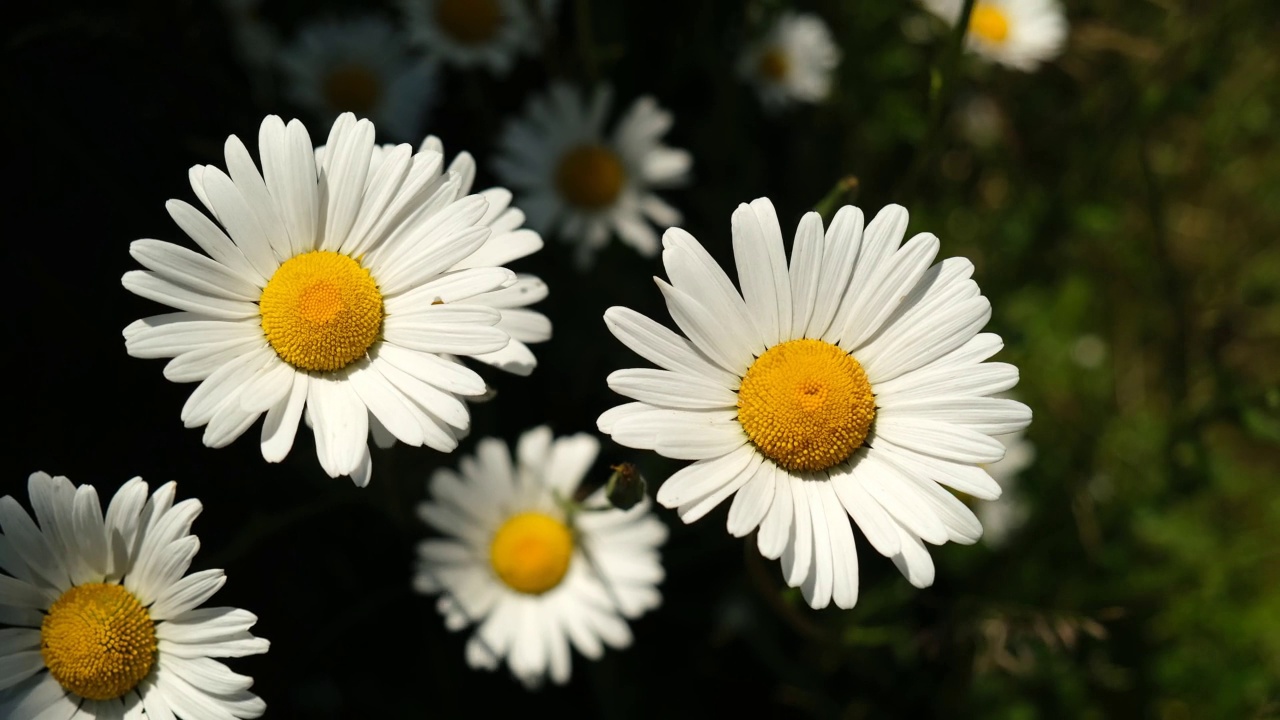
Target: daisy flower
[[1005, 515], [362, 66], [105, 620], [572, 179], [341, 289], [793, 62], [533, 569], [467, 33], [1018, 33], [846, 384]]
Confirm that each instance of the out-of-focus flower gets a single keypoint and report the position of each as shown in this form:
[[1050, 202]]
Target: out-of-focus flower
[[1004, 515], [534, 570], [106, 622], [342, 288], [1021, 34], [572, 179], [489, 33], [793, 62], [848, 383]]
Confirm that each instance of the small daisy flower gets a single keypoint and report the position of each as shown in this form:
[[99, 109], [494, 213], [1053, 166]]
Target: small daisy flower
[[533, 569], [1018, 33], [570, 178], [105, 621], [793, 62], [342, 289], [849, 383], [468, 33], [362, 66], [1006, 514]]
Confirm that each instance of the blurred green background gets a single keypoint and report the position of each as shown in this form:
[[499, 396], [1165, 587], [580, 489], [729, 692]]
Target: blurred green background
[[1121, 204]]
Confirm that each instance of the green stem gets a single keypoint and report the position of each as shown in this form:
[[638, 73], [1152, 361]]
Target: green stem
[[840, 193]]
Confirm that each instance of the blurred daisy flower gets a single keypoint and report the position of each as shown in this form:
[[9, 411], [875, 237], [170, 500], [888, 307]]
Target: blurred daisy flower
[[573, 179], [1018, 33], [342, 288], [467, 33], [533, 568], [1003, 516], [362, 66], [793, 62], [106, 622], [848, 383]]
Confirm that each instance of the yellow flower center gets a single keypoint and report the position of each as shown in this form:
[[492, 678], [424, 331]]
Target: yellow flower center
[[98, 641], [531, 552], [806, 404], [321, 311], [470, 22], [590, 177], [774, 64], [352, 87], [989, 23]]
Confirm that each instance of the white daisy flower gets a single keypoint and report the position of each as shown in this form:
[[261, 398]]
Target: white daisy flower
[[573, 180], [468, 33], [793, 62], [532, 569], [362, 66], [342, 287], [1008, 513], [849, 383], [105, 621], [1018, 33]]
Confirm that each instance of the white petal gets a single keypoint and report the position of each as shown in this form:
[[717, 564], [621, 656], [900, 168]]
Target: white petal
[[762, 269], [705, 477], [752, 502], [671, 389], [775, 529], [663, 347]]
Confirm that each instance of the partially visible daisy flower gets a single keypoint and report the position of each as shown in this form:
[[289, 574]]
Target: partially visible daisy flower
[[572, 179], [793, 62], [343, 288], [489, 33], [1018, 33], [106, 622], [533, 568], [849, 383], [362, 66], [1007, 513]]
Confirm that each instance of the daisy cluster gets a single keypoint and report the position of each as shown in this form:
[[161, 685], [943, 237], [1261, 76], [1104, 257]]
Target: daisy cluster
[[361, 290]]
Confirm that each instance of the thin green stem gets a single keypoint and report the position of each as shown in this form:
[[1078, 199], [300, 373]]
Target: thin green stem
[[840, 194]]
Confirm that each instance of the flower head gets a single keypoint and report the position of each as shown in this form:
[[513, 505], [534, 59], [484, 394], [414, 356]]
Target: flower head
[[571, 178], [106, 620], [488, 33], [344, 286], [536, 570], [793, 62], [847, 383], [1018, 33]]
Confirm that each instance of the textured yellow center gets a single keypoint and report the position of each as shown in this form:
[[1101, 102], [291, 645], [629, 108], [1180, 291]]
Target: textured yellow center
[[989, 23], [353, 88], [531, 552], [774, 64], [590, 177], [806, 404], [321, 311], [98, 641], [470, 22]]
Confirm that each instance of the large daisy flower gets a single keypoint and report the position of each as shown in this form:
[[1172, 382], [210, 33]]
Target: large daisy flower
[[105, 621], [571, 178], [536, 570], [362, 66], [1018, 33], [489, 33], [342, 288], [848, 383], [793, 62]]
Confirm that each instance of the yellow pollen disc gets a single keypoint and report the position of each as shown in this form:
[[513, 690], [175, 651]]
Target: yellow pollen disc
[[806, 404], [531, 552], [989, 23], [352, 88], [321, 311], [470, 22], [774, 64], [590, 177], [98, 641]]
